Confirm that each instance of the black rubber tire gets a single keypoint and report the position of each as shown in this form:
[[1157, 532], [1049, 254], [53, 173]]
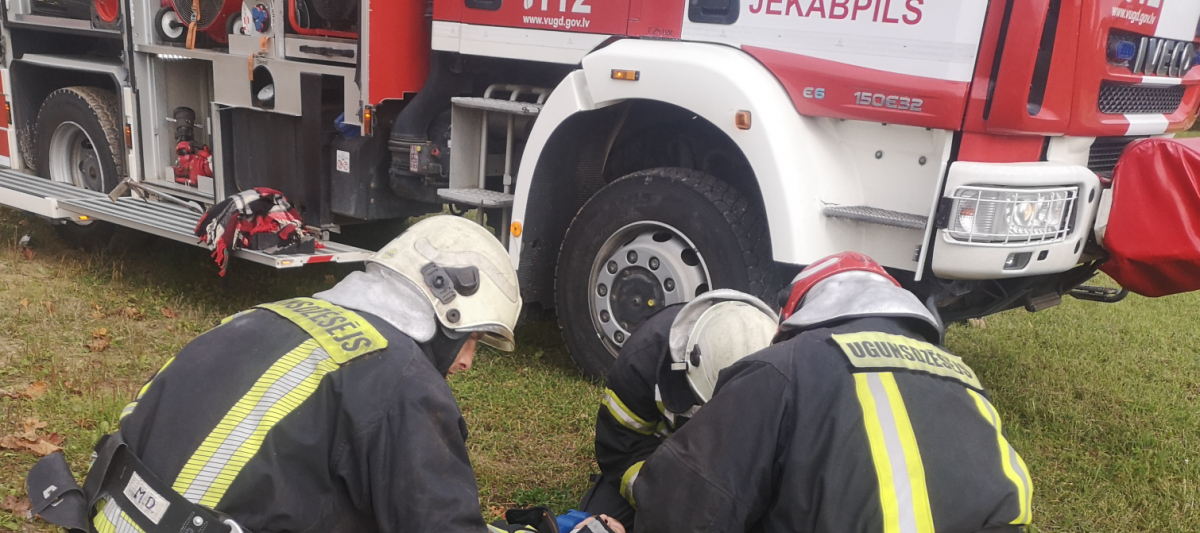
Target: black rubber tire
[[158, 26], [96, 112], [728, 231]]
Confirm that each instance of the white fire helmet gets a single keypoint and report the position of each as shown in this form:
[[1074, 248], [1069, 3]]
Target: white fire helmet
[[465, 273], [731, 326]]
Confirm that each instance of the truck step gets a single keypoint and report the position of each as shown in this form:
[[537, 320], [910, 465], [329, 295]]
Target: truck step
[[875, 215], [61, 201], [499, 106], [477, 197]]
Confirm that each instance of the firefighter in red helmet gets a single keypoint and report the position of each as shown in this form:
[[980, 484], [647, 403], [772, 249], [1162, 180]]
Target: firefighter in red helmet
[[853, 421]]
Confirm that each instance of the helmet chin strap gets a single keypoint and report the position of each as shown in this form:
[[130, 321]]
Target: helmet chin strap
[[443, 348]]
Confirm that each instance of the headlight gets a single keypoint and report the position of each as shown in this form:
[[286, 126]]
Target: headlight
[[998, 215]]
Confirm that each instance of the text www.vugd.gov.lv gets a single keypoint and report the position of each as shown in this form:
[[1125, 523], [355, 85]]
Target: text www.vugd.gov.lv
[[557, 22]]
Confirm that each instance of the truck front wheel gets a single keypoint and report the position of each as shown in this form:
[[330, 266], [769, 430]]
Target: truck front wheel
[[77, 130], [649, 240]]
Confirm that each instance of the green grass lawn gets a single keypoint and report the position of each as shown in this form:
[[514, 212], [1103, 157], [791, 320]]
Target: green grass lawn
[[1103, 401]]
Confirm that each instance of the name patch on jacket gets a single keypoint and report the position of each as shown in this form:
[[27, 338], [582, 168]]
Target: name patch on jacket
[[340, 332], [880, 351]]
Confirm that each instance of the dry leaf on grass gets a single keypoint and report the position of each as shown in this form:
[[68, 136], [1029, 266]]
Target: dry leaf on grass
[[99, 333], [18, 506], [28, 253], [133, 313], [97, 345], [49, 307], [30, 440], [168, 312], [24, 302], [35, 390]]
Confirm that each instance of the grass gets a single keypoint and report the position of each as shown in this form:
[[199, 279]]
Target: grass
[[1103, 401]]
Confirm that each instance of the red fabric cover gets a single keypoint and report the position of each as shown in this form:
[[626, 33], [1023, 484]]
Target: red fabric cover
[[1153, 229]]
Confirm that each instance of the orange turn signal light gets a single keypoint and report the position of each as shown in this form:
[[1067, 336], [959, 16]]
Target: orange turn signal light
[[128, 137], [742, 120], [368, 116], [627, 75]]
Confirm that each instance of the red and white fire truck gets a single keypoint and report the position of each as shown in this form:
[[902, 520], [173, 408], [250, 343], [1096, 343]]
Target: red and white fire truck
[[632, 153]]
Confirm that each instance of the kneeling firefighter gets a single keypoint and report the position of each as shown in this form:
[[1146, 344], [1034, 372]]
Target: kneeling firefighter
[[328, 413], [854, 421], [664, 373]]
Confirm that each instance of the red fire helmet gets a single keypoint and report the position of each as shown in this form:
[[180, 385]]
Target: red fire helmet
[[826, 268]]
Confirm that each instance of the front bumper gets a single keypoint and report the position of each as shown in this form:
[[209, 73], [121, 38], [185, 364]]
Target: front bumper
[[958, 257]]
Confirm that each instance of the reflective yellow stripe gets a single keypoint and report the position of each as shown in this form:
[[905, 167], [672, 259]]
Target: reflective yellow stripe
[[128, 410], [110, 519], [903, 495], [1014, 467], [626, 417], [341, 332], [238, 437], [627, 480]]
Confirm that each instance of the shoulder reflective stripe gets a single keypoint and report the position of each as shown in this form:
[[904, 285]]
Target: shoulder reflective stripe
[[877, 351], [494, 529], [110, 519], [627, 482], [342, 333], [239, 435], [626, 417], [128, 410], [1014, 467], [902, 491], [229, 318], [146, 387]]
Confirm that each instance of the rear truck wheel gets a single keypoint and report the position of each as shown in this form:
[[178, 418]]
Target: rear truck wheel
[[648, 240], [168, 26], [77, 129]]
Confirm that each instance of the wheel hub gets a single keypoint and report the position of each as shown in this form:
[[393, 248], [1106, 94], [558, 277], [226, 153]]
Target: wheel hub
[[642, 268]]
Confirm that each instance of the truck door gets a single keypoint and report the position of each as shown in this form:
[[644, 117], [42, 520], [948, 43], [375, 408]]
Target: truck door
[[577, 16]]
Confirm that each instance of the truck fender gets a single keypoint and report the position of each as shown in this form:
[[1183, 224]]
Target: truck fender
[[714, 82]]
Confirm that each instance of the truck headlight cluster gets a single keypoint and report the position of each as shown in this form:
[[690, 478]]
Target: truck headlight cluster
[[994, 215]]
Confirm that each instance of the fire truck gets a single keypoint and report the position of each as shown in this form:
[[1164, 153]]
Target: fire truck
[[631, 154]]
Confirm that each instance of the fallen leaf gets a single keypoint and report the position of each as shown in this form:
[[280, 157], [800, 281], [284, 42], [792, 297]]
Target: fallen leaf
[[54, 438], [97, 315], [12, 443], [31, 425], [977, 323], [28, 253], [23, 223], [97, 345], [49, 307], [133, 312], [24, 302], [99, 333], [43, 448], [168, 312], [96, 306], [35, 390], [18, 506]]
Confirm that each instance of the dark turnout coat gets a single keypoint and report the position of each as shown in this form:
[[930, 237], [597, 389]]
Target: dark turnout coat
[[304, 416], [860, 427]]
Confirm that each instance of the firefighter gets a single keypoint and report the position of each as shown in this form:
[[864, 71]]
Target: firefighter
[[328, 413], [854, 421], [662, 376]]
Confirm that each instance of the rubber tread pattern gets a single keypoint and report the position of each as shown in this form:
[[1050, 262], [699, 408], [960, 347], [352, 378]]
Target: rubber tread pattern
[[104, 107]]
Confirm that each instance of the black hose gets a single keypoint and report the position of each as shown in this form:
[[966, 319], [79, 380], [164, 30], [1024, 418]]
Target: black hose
[[412, 124]]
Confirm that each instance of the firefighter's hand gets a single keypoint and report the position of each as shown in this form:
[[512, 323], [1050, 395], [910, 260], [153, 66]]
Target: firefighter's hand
[[596, 524]]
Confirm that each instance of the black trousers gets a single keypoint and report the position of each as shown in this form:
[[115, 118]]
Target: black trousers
[[604, 498]]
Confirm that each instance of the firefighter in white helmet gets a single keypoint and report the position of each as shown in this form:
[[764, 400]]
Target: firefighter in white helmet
[[854, 421], [327, 413], [664, 373]]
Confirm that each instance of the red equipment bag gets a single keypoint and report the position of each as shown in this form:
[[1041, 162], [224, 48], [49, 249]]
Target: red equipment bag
[[1153, 232]]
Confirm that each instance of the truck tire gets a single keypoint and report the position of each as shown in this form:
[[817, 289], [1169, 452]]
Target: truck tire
[[648, 240], [77, 130]]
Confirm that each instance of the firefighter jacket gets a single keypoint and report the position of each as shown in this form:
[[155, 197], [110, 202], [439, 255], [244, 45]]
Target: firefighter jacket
[[860, 427], [306, 416], [633, 418]]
